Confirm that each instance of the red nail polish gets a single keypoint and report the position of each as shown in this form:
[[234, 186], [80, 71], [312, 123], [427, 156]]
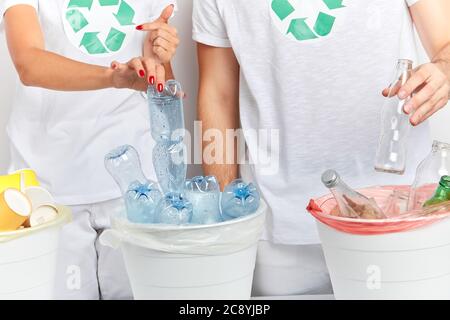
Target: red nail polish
[[160, 87], [141, 73], [151, 80], [140, 27]]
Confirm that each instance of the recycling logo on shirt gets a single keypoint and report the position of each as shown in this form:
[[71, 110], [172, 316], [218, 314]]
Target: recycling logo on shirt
[[98, 27], [304, 20]]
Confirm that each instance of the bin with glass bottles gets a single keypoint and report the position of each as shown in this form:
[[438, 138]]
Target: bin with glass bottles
[[390, 242]]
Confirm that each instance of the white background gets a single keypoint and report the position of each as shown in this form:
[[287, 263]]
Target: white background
[[186, 71]]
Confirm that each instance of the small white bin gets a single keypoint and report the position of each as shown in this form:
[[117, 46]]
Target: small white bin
[[211, 262], [28, 260], [406, 265]]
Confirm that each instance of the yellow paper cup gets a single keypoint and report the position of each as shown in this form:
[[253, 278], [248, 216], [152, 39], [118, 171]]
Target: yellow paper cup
[[30, 176], [13, 180], [15, 208]]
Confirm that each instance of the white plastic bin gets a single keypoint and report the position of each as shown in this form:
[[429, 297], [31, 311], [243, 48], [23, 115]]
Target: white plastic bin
[[190, 263], [28, 260], [405, 265]]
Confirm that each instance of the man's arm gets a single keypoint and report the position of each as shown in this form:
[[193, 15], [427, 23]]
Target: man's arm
[[430, 82], [219, 105]]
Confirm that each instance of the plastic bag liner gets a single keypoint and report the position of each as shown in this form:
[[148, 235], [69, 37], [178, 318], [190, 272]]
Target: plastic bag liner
[[321, 209], [64, 216], [216, 239]]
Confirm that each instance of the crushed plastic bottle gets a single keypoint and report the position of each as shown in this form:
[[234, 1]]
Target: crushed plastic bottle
[[141, 195], [167, 123], [204, 194], [174, 209], [166, 112], [239, 199], [124, 165], [170, 166], [141, 201]]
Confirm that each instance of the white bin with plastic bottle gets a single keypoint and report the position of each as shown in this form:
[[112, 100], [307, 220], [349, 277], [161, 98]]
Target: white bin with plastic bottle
[[204, 262], [401, 259], [28, 260]]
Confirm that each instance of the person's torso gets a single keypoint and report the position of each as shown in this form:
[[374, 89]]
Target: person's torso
[[313, 71], [64, 135]]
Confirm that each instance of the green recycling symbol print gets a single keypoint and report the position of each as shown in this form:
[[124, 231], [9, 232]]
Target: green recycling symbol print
[[304, 20], [99, 27]]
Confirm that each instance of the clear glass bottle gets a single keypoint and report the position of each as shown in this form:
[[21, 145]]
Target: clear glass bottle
[[351, 204], [392, 147], [429, 172]]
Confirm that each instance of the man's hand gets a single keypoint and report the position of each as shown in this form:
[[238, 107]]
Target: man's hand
[[430, 88], [430, 83], [162, 39]]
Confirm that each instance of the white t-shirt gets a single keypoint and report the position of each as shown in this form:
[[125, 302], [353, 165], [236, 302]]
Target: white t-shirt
[[314, 70], [65, 135]]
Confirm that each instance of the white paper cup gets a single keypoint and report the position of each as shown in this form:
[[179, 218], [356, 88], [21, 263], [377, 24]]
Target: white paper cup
[[39, 197]]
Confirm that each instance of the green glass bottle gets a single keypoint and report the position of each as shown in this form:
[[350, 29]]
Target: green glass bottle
[[442, 193]]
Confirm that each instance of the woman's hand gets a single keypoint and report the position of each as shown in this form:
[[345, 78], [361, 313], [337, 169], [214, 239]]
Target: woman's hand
[[162, 39], [138, 74], [430, 88]]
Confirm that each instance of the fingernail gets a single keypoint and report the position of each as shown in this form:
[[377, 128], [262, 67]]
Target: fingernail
[[140, 27], [141, 73], [160, 87], [408, 108], [151, 80], [402, 94]]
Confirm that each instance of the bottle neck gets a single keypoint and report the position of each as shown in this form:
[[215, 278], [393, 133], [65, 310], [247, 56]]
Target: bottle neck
[[342, 188], [440, 146], [404, 65], [443, 190]]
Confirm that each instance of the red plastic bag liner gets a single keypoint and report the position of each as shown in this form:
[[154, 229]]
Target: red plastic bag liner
[[322, 209]]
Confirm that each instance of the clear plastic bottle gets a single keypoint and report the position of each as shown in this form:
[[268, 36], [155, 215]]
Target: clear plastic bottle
[[170, 165], [392, 147], [141, 195], [351, 204], [167, 124], [429, 172], [239, 199], [174, 209], [166, 112], [124, 165], [204, 194]]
